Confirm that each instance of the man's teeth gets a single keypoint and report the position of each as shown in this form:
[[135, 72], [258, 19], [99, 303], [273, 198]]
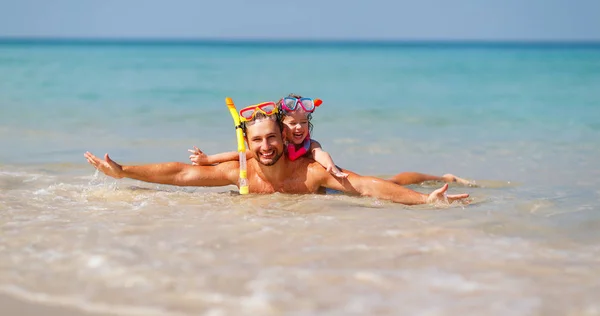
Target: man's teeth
[[267, 154]]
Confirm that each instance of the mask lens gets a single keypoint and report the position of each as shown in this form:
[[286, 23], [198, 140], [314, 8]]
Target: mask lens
[[290, 103], [268, 108], [308, 104], [247, 113]]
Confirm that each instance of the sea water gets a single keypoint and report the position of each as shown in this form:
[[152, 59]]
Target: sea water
[[521, 120]]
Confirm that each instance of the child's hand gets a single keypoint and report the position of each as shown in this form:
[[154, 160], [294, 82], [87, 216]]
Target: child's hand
[[336, 172], [197, 157]]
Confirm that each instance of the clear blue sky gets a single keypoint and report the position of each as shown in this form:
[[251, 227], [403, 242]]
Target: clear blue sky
[[304, 19]]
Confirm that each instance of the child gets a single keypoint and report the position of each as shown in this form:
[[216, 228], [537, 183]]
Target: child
[[296, 114]]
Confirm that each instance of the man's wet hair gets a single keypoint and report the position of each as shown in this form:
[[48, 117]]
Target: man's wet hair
[[261, 116]]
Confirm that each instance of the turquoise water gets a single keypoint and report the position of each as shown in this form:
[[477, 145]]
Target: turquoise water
[[167, 91], [522, 120]]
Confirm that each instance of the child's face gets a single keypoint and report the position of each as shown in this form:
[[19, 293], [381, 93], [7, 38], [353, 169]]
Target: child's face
[[296, 126]]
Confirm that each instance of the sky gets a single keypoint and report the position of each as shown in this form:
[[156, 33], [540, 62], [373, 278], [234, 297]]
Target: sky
[[495, 20]]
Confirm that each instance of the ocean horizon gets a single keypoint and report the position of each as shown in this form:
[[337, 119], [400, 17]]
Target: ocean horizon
[[433, 43]]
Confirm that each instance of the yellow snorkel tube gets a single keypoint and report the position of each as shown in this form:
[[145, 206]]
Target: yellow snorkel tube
[[241, 145]]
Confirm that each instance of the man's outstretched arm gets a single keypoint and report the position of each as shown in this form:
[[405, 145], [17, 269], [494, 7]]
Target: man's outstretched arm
[[173, 173], [383, 189]]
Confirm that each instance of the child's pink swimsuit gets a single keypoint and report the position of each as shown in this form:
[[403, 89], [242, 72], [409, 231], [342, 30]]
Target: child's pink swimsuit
[[294, 154]]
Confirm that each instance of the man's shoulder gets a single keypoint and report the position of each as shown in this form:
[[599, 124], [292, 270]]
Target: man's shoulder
[[230, 163], [227, 165], [234, 164], [304, 160], [310, 164]]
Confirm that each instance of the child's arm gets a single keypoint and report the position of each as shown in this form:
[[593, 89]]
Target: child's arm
[[325, 160], [199, 158]]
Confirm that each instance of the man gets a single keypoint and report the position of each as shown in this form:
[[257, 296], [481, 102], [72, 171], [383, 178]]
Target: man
[[267, 173]]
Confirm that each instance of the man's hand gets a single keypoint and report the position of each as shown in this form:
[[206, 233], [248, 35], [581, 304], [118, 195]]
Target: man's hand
[[107, 166], [439, 195]]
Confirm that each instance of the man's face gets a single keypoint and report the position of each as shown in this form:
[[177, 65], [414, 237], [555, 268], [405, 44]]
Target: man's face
[[264, 141]]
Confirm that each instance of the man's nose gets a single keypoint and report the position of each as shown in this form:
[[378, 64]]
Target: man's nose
[[264, 145]]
